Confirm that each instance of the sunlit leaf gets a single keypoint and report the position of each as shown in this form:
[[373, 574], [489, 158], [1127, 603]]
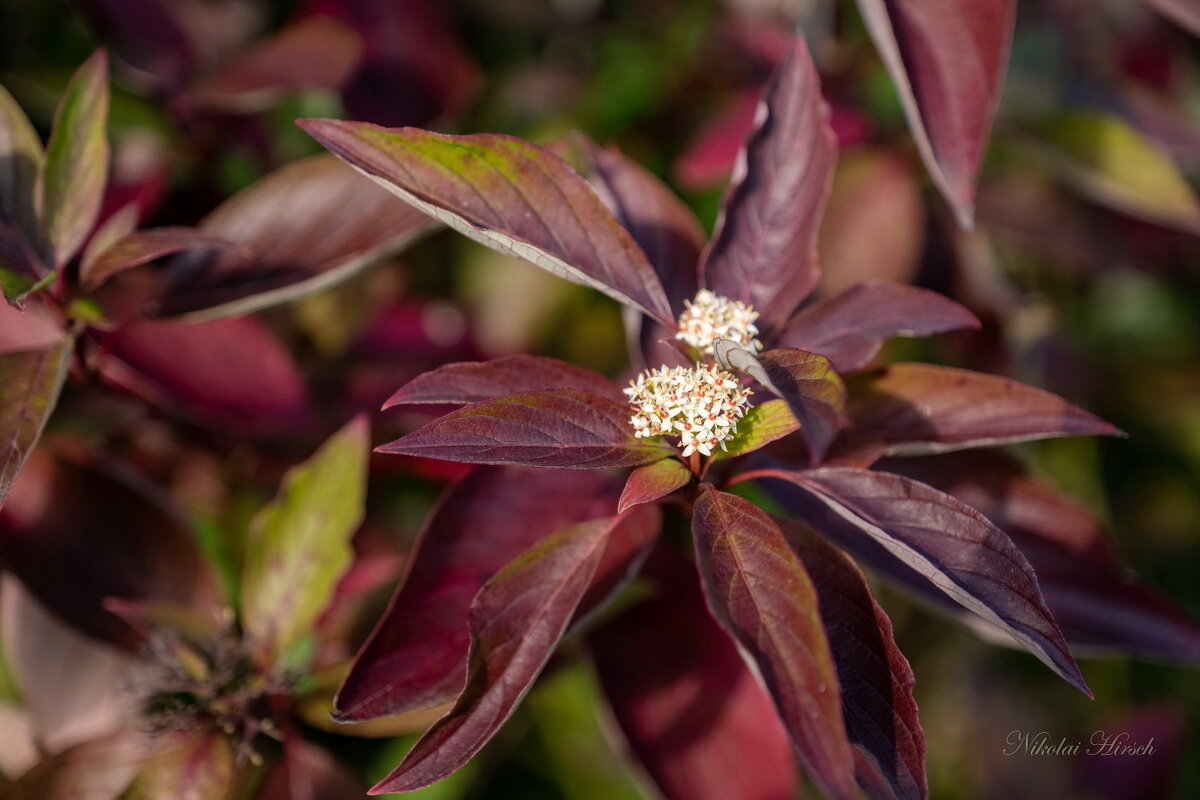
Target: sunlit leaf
[[653, 482], [471, 381], [760, 426]]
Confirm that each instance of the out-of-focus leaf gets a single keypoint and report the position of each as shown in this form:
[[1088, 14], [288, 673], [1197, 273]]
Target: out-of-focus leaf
[[145, 34], [1111, 163], [806, 381], [1183, 13], [764, 249], [230, 373], [660, 223], [313, 53], [30, 381], [874, 224], [474, 381], [692, 712], [308, 226], [761, 425], [881, 715], [34, 328], [922, 408], [21, 160], [907, 529], [300, 544], [60, 516], [76, 167], [947, 59], [711, 153], [850, 328], [653, 482], [567, 428], [416, 657], [1100, 606], [758, 590], [97, 770], [506, 194], [194, 766], [119, 224], [142, 247], [516, 621], [309, 772]]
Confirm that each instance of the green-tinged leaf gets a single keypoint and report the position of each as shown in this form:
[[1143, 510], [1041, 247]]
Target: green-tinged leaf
[[76, 168], [20, 160], [17, 285], [30, 381], [759, 427], [1108, 161], [300, 544], [653, 482], [196, 768]]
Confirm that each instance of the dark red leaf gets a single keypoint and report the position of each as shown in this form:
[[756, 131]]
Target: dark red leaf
[[473, 381], [516, 622], [230, 373], [764, 249], [758, 590], [881, 715], [60, 516], [947, 60], [30, 381], [922, 408], [506, 194], [309, 772], [907, 529], [567, 428], [711, 153], [145, 34], [416, 658], [692, 712], [849, 329], [653, 482], [142, 247], [1183, 13]]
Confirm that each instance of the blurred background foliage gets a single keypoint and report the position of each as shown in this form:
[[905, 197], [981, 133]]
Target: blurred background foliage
[[1084, 266]]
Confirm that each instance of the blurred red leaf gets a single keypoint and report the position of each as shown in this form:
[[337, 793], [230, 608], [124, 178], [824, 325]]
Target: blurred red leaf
[[652, 482], [758, 590], [142, 247], [30, 381], [145, 34], [97, 770], [33, 328], [764, 249], [711, 153], [473, 381], [192, 766], [1183, 13], [309, 772]]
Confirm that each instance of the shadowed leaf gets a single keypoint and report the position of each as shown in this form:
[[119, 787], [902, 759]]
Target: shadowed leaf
[[1183, 13], [947, 60], [760, 426], [142, 247], [764, 249], [758, 590], [473, 381], [653, 482], [299, 545], [849, 329], [905, 528], [551, 428], [30, 381], [508, 195], [21, 160], [144, 33]]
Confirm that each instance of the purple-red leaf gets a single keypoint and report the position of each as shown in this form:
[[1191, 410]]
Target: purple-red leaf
[[921, 408], [849, 329], [1183, 13], [506, 194], [947, 59], [758, 590], [516, 622], [906, 528], [193, 766], [142, 247], [145, 34], [805, 381], [653, 482], [30, 381], [416, 658], [473, 381], [232, 374], [764, 249], [881, 715], [689, 707], [309, 772], [567, 428]]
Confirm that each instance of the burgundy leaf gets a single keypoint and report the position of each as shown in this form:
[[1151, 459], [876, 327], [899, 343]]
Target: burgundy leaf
[[309, 772], [653, 482], [416, 658], [923, 408], [689, 707], [711, 153], [881, 715], [473, 381], [30, 381], [664, 227], [508, 195], [906, 528], [516, 622], [764, 249], [60, 515], [145, 34], [567, 428], [947, 60], [849, 329], [760, 593], [1099, 604], [232, 374], [805, 381], [142, 247]]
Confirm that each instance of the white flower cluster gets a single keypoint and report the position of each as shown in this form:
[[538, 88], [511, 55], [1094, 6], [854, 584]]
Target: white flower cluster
[[711, 316], [701, 406]]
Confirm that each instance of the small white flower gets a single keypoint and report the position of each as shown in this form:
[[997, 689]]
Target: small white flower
[[710, 316], [701, 406]]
